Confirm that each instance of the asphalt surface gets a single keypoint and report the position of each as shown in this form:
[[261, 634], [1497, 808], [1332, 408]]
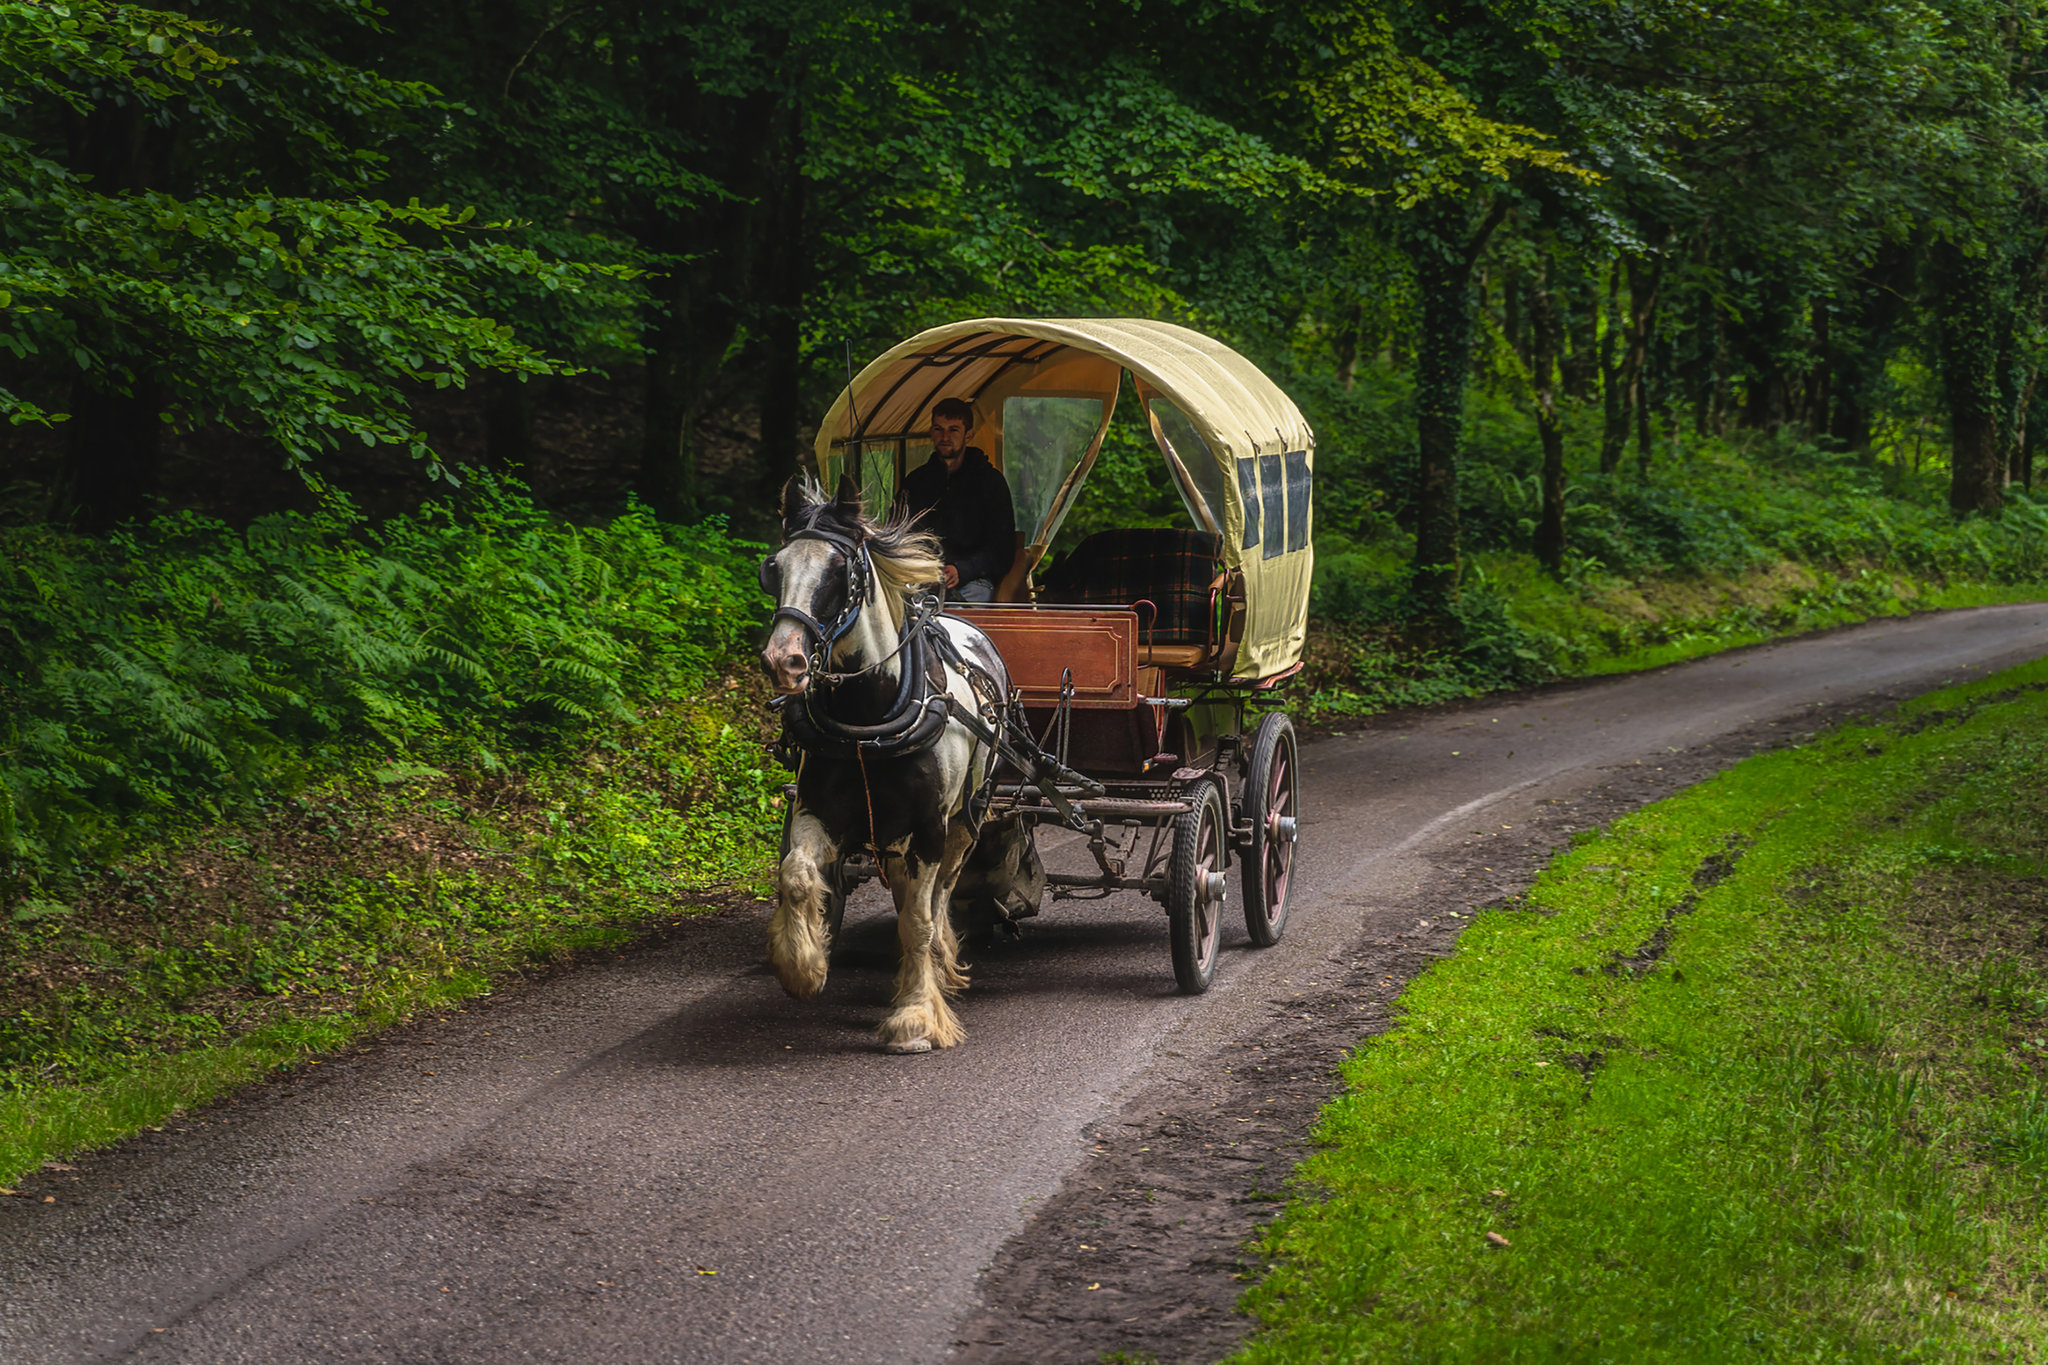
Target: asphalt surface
[[660, 1157]]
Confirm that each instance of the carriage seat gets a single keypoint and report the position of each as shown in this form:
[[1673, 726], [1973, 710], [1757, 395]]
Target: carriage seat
[[1170, 576]]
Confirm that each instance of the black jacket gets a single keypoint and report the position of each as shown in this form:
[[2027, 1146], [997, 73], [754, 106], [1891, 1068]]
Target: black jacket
[[970, 511]]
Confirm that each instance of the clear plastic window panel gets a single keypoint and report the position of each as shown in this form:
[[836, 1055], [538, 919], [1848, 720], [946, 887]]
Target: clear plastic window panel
[[916, 451], [1043, 440], [878, 477], [1273, 496], [1300, 485], [1185, 445], [1248, 497]]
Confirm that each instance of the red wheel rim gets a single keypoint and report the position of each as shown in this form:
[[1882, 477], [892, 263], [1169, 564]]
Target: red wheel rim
[[1209, 913], [1279, 856]]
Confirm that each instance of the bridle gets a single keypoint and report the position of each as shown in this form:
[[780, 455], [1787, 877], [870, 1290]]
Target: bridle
[[859, 572], [918, 712]]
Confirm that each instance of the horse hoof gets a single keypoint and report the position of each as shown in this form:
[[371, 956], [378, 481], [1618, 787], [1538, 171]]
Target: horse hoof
[[906, 1049]]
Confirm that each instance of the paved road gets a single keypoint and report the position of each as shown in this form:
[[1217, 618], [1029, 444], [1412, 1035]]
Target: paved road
[[553, 1175]]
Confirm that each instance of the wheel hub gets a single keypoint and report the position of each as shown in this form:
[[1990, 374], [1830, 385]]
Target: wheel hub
[[1212, 887], [1279, 828]]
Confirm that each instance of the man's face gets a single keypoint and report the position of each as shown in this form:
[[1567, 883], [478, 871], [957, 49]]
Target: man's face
[[949, 440]]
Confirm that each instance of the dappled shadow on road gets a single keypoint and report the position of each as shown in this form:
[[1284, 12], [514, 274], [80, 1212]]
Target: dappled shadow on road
[[1117, 957]]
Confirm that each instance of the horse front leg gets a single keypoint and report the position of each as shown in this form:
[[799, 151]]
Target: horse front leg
[[946, 964], [798, 945], [929, 969]]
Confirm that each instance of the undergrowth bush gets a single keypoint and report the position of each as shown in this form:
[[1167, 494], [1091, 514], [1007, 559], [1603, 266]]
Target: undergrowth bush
[[1773, 533], [158, 677]]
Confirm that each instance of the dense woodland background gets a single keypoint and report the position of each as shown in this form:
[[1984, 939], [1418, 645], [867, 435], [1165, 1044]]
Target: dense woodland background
[[626, 248], [350, 354]]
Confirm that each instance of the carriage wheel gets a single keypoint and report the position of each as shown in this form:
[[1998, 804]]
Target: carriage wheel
[[835, 883], [1194, 889], [1271, 805]]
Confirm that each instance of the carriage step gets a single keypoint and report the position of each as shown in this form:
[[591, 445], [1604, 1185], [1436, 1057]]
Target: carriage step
[[1121, 805]]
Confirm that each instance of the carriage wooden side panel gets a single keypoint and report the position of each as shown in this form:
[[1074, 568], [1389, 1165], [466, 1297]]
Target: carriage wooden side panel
[[1095, 650]]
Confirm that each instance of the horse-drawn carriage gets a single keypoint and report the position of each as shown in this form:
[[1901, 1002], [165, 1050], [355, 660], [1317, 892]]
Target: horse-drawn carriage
[[1105, 692]]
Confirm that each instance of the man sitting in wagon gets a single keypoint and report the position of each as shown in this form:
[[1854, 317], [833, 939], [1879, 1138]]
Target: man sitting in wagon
[[962, 498]]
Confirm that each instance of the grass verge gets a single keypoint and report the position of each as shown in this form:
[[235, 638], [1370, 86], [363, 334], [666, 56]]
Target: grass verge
[[1758, 1073], [201, 962]]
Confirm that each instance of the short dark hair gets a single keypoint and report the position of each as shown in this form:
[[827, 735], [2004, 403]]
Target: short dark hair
[[958, 408]]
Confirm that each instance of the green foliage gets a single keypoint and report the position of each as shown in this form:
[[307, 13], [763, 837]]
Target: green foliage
[[1399, 125], [1752, 1075], [171, 672], [201, 961], [306, 318], [1729, 542]]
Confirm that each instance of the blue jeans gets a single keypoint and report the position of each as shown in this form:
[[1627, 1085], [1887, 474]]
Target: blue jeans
[[975, 590]]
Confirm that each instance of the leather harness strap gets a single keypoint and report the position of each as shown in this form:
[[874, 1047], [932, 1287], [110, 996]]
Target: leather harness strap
[[922, 706]]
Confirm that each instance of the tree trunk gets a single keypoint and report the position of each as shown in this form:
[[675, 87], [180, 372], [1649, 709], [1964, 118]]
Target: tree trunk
[[1579, 310], [2020, 468], [113, 444], [1643, 285], [1849, 420], [1862, 340], [1544, 334], [1766, 332], [1701, 366], [2015, 375], [1614, 430], [1646, 402], [781, 454], [696, 312], [1349, 342], [1717, 384], [1972, 328], [1513, 325], [2027, 442], [1819, 380], [668, 466], [1443, 245], [508, 422]]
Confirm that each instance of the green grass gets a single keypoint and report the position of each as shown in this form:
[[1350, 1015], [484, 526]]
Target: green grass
[[42, 1123], [199, 963], [1814, 1127], [1799, 619]]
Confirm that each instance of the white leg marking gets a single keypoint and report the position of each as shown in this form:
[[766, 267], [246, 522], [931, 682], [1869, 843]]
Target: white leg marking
[[797, 942], [921, 1014]]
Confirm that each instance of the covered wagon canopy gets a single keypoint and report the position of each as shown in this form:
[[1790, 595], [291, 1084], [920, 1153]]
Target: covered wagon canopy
[[1044, 389]]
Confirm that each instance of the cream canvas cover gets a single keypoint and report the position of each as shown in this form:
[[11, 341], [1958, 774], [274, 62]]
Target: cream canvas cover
[[1258, 451]]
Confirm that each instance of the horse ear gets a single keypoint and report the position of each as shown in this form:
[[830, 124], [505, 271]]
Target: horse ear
[[848, 497], [792, 500]]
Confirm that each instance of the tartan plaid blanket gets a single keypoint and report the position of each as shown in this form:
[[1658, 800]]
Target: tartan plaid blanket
[[1166, 566]]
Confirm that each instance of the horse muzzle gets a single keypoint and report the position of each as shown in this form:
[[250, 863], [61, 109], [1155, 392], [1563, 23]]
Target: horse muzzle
[[787, 661]]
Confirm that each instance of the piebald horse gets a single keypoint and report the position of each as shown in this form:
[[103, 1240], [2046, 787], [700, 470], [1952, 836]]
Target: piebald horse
[[873, 682]]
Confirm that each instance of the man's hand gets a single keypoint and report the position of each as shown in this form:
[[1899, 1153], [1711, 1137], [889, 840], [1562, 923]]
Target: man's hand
[[951, 576]]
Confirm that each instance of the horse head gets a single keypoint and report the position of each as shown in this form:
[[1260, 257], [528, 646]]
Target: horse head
[[819, 578]]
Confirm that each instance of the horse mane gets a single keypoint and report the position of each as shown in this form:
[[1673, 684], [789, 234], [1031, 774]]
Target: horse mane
[[905, 558]]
